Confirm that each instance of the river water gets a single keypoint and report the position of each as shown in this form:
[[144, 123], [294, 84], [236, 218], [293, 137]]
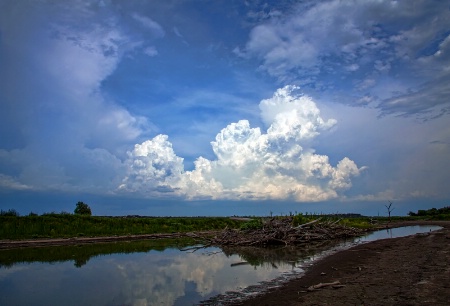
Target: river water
[[156, 272]]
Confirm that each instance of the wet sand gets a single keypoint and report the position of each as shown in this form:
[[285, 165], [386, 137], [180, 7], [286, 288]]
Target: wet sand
[[413, 270]]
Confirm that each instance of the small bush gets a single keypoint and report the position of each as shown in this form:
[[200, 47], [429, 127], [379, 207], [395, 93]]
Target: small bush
[[9, 213], [301, 219], [356, 222], [252, 225]]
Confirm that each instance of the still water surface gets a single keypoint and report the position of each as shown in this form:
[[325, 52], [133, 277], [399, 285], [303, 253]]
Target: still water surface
[[152, 273]]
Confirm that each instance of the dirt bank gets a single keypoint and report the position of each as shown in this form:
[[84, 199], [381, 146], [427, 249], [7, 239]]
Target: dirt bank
[[413, 270]]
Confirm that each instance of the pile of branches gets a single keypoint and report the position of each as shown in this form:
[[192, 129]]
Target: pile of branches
[[276, 231]]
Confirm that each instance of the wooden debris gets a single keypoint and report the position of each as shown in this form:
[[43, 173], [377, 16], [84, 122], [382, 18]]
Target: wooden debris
[[240, 219], [306, 224], [336, 284], [280, 231]]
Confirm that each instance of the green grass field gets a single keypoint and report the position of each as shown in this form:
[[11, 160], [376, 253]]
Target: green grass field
[[67, 225]]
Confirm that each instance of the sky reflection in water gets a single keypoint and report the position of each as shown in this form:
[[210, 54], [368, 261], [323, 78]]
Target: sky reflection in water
[[170, 277]]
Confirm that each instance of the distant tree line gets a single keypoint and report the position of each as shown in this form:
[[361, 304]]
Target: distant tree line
[[9, 212], [431, 212], [81, 208]]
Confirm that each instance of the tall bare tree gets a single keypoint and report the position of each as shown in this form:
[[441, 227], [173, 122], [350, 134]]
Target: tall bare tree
[[389, 209]]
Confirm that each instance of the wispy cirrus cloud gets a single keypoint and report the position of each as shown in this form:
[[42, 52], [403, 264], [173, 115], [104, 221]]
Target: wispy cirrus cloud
[[155, 28], [332, 45]]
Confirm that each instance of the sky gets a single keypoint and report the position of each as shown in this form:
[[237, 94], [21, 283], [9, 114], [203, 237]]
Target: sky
[[224, 107]]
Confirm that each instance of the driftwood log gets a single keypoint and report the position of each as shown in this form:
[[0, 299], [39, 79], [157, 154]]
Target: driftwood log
[[335, 285]]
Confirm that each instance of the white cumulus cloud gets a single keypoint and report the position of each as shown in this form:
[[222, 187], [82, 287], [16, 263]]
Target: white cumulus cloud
[[292, 115], [151, 166], [249, 164]]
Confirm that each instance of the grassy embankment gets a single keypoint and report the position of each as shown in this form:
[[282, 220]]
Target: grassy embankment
[[67, 225], [362, 222]]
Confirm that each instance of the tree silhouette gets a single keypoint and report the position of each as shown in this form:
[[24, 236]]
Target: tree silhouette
[[389, 209], [82, 209]]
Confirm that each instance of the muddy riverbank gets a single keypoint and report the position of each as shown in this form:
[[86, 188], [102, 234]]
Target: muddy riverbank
[[412, 270], [12, 244]]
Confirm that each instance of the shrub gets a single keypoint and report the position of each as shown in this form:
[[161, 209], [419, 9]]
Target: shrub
[[252, 225], [300, 219], [10, 213], [82, 209]]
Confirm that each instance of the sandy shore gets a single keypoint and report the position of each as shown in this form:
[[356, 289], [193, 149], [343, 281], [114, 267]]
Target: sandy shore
[[413, 270]]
